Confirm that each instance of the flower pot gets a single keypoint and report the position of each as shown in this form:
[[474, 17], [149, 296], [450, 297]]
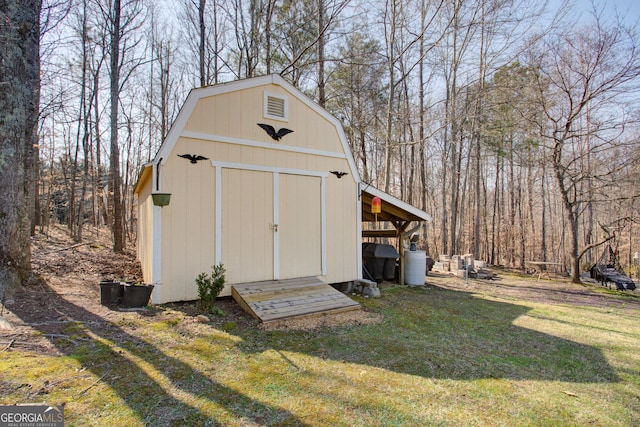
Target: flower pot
[[136, 295], [111, 292], [161, 199]]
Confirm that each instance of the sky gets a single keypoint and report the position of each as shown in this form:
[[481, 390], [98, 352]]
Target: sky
[[628, 9]]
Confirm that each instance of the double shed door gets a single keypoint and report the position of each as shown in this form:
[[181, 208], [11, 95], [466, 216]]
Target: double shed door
[[271, 225]]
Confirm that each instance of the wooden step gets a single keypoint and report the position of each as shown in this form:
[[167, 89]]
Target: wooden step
[[284, 299]]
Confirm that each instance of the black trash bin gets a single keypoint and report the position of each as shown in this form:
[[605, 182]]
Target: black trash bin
[[111, 292], [136, 295], [380, 260]]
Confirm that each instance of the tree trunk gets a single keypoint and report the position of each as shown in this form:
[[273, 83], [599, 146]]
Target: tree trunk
[[320, 51], [495, 222], [201, 47], [76, 214], [19, 108], [114, 171], [390, 39], [476, 140], [216, 41], [543, 218], [570, 215], [523, 231], [511, 237], [271, 6], [100, 212], [575, 260], [530, 215], [422, 142]]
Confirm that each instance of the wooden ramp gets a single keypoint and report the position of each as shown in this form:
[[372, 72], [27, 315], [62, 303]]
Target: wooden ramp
[[283, 299]]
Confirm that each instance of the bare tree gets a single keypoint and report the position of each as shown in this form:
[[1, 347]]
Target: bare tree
[[195, 36], [203, 35], [248, 24], [122, 20], [593, 68], [464, 18]]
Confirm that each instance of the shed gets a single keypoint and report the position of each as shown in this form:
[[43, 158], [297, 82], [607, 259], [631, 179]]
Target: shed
[[273, 206]]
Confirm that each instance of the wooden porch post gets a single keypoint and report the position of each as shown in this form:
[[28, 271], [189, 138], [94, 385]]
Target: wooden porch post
[[401, 227]]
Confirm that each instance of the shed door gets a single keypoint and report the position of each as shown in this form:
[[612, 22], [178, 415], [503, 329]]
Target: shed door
[[247, 234], [271, 225], [300, 227]]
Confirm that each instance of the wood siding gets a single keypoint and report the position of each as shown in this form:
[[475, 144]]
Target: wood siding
[[188, 222], [145, 227]]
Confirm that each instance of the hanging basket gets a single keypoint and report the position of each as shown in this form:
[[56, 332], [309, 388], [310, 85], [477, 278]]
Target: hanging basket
[[161, 199]]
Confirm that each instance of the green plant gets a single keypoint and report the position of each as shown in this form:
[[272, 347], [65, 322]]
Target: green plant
[[209, 287], [218, 311]]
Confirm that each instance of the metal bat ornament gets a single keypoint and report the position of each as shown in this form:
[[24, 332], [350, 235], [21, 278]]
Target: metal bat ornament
[[193, 158], [271, 131]]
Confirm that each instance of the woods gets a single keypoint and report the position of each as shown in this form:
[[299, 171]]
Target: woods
[[514, 125]]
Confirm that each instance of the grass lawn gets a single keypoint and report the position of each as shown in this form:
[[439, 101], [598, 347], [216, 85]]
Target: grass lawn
[[445, 355]]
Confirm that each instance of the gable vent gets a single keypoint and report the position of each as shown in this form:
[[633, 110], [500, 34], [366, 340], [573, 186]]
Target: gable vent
[[275, 107]]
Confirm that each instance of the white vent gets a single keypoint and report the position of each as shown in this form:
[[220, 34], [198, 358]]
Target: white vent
[[276, 107]]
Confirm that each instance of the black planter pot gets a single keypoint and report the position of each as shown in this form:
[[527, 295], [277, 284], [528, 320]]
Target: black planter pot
[[111, 292], [136, 295]]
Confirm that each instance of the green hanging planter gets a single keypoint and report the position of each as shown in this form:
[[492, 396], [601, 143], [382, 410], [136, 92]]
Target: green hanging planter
[[161, 199]]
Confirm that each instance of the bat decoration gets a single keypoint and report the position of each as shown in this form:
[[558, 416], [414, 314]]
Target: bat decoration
[[272, 131], [338, 174], [193, 158]]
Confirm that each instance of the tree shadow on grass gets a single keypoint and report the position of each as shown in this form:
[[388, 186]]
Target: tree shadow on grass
[[437, 333], [158, 388], [447, 334]]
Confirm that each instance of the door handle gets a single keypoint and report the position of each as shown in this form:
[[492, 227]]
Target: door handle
[[274, 227]]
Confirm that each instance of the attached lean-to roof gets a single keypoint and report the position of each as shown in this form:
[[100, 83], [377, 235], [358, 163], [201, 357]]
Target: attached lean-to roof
[[393, 209]]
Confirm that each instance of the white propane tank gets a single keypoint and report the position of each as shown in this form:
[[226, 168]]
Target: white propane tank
[[415, 267]]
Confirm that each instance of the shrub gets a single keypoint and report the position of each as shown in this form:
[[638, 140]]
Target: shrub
[[209, 287]]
